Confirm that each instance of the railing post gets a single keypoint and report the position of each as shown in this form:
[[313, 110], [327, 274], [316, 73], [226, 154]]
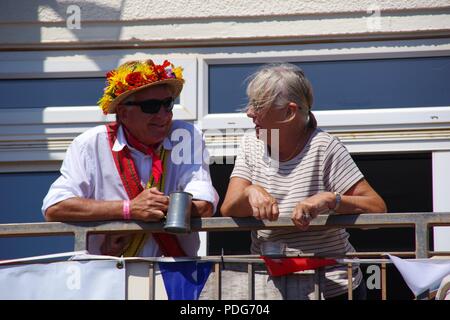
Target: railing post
[[317, 287], [350, 281], [251, 282], [151, 281], [80, 240], [218, 271], [421, 232], [383, 282]]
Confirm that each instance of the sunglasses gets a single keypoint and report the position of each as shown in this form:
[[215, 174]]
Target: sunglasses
[[153, 106]]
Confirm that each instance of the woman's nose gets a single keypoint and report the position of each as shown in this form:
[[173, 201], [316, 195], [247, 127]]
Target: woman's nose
[[251, 113]]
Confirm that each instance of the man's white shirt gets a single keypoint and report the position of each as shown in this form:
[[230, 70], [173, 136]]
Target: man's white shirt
[[88, 171]]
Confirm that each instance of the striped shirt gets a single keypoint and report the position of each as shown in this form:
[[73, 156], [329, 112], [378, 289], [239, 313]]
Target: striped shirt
[[323, 165]]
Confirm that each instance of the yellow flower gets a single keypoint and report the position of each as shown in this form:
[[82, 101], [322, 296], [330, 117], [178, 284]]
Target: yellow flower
[[143, 68], [178, 71], [138, 73], [104, 102], [122, 74], [116, 78]]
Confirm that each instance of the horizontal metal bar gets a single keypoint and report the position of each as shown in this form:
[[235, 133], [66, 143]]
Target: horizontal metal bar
[[403, 254], [230, 224], [336, 220], [60, 228]]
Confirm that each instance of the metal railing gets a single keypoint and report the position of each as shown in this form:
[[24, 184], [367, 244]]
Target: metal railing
[[421, 222]]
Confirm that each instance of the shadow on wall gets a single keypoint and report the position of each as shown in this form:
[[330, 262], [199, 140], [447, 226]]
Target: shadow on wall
[[70, 15], [22, 193]]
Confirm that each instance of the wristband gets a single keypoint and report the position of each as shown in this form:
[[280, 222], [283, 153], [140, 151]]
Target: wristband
[[338, 200], [126, 210]]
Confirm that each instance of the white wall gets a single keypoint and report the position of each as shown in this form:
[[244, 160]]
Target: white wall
[[441, 192], [190, 29], [37, 24], [201, 32]]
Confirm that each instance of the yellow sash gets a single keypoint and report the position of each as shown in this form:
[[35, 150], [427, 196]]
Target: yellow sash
[[138, 241]]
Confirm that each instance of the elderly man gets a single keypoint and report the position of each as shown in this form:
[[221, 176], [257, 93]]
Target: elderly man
[[125, 170]]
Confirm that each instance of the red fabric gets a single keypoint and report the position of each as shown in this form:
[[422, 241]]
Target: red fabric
[[124, 164], [283, 266], [168, 243], [156, 161]]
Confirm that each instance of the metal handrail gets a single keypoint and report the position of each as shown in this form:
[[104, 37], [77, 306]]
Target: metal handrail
[[419, 221]]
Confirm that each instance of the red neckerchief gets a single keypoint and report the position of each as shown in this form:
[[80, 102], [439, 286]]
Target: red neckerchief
[[168, 243], [156, 161]]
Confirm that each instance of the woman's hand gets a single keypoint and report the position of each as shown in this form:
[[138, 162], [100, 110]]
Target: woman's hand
[[263, 205], [311, 207], [149, 205]]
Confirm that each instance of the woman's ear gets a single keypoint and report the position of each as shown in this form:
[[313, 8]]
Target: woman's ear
[[291, 111]]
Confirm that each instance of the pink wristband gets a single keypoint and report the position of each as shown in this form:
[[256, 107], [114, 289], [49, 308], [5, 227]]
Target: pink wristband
[[126, 210]]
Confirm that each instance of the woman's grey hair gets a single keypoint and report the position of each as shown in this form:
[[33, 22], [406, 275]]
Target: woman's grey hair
[[279, 84]]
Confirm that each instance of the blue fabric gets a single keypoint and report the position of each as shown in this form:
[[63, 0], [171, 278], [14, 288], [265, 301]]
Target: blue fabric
[[184, 280]]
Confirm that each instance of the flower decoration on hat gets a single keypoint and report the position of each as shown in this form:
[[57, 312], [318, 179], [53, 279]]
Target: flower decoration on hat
[[134, 75]]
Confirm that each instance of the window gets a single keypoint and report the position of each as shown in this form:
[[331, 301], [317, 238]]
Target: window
[[56, 92], [51, 97], [347, 84], [388, 96]]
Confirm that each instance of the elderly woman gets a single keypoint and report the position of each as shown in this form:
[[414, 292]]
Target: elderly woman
[[297, 171]]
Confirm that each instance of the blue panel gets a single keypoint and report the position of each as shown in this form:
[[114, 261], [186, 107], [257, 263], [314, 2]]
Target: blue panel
[[352, 84], [22, 195], [37, 93], [227, 86]]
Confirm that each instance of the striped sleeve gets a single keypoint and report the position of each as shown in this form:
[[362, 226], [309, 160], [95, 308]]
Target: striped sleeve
[[340, 172], [242, 168]]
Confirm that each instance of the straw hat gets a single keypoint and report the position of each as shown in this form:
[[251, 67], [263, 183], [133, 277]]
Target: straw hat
[[133, 76]]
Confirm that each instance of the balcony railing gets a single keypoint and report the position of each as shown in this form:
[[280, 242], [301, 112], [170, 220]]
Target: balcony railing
[[421, 222]]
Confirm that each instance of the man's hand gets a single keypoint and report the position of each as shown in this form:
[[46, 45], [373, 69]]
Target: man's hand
[[149, 205], [310, 208], [115, 244], [263, 205]]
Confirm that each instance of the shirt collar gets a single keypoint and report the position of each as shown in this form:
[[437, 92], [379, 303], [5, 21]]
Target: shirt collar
[[121, 141]]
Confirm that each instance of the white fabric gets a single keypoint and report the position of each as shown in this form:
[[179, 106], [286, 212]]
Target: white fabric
[[88, 171], [444, 289], [67, 280], [422, 274], [45, 257]]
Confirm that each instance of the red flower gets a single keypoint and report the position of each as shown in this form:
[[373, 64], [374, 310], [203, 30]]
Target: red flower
[[151, 78], [134, 79], [109, 74], [121, 88], [161, 72]]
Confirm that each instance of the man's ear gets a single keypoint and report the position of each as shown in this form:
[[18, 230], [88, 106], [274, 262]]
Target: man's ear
[[121, 112]]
